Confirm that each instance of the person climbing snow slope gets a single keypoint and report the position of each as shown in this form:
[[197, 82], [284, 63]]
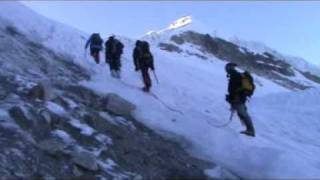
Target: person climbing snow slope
[[114, 50], [240, 87], [95, 42], [143, 60]]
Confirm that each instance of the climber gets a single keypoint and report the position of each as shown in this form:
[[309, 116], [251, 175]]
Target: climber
[[95, 42], [240, 88], [114, 50], [136, 53], [143, 60]]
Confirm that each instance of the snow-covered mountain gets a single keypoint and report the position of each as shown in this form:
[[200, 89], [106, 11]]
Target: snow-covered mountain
[[191, 39], [180, 25], [95, 126], [260, 48]]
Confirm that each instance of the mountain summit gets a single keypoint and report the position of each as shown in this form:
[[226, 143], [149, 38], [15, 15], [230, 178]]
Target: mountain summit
[[185, 23], [181, 22]]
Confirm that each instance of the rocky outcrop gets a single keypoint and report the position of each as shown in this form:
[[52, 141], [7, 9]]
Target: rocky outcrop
[[40, 91], [92, 136], [117, 105], [51, 146], [170, 47], [265, 65], [86, 160]]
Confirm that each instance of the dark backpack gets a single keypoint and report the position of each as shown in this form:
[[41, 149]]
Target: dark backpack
[[145, 55], [115, 47], [247, 84], [120, 47], [96, 39]]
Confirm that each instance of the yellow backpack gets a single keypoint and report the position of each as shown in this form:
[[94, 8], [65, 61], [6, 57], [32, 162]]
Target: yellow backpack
[[247, 84]]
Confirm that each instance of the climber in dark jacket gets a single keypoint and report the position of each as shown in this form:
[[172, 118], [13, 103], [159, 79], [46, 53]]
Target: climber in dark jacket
[[95, 42], [143, 60], [237, 98], [114, 50], [136, 53]]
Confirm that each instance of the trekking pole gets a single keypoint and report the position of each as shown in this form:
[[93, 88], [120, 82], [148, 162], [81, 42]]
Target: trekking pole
[[155, 76]]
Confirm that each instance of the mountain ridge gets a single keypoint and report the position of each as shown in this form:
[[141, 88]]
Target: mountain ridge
[[251, 46]]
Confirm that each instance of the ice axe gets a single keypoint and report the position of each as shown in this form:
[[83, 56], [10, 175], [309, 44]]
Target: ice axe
[[155, 76]]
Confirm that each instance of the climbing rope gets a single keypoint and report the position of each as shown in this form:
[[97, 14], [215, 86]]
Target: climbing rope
[[222, 125], [180, 112], [164, 104], [156, 97]]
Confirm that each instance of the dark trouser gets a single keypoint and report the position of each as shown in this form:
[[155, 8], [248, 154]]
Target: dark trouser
[[146, 78], [244, 116], [94, 52], [114, 65]]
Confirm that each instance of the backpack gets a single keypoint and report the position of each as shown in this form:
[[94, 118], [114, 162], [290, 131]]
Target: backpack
[[96, 39], [247, 84], [145, 54], [119, 48], [116, 47]]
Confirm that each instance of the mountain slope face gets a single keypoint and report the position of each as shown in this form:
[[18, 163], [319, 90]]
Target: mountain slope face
[[93, 132], [189, 101], [52, 127], [287, 71]]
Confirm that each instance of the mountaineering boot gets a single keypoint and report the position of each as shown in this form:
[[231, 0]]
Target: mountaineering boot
[[96, 58], [145, 89], [248, 133], [118, 74], [113, 73]]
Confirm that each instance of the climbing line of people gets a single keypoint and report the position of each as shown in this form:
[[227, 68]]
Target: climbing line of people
[[142, 57], [240, 87]]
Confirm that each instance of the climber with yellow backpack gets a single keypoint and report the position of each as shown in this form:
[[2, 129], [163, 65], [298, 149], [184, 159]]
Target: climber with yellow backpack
[[240, 88]]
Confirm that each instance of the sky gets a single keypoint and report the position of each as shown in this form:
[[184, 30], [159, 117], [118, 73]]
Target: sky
[[291, 28]]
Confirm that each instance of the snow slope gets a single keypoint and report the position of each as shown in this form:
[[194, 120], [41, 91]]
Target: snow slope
[[196, 88], [191, 103], [57, 36]]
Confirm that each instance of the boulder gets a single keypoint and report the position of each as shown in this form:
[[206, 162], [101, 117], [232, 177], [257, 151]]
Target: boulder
[[40, 91], [76, 171], [3, 94], [20, 115], [46, 116], [117, 105], [52, 146], [85, 160], [219, 172]]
